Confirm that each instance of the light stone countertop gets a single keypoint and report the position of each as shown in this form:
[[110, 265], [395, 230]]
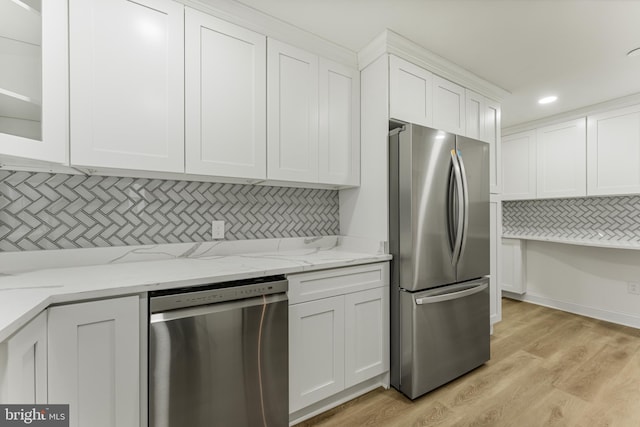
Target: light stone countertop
[[607, 244], [29, 283]]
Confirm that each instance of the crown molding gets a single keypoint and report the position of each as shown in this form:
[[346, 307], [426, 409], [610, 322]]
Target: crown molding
[[612, 104], [376, 48], [393, 43], [255, 20]]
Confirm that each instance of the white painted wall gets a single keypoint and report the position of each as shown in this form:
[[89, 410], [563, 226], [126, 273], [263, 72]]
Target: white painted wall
[[364, 210], [585, 280]]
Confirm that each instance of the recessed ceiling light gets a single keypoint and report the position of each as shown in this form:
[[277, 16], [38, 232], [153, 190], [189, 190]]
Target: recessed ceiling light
[[547, 99], [634, 52]]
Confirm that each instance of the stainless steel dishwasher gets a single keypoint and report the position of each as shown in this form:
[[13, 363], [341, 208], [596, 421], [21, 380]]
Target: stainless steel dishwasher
[[218, 355]]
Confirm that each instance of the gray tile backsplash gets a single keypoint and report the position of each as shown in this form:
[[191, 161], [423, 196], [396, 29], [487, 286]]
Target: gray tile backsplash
[[615, 218], [58, 211]]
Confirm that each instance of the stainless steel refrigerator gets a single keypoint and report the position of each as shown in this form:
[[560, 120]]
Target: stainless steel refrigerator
[[439, 238]]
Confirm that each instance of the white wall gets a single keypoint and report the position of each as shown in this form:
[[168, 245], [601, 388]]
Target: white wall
[[585, 280], [364, 210]]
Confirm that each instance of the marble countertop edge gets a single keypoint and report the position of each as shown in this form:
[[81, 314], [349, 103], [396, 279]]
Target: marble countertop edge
[[577, 242], [24, 295]]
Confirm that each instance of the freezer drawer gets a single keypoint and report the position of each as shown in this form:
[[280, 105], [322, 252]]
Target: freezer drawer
[[444, 334]]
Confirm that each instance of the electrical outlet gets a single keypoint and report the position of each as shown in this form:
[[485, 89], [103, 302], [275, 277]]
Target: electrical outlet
[[217, 229], [633, 288]]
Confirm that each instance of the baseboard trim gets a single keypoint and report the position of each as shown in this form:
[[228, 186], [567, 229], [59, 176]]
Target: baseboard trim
[[596, 313], [340, 398]]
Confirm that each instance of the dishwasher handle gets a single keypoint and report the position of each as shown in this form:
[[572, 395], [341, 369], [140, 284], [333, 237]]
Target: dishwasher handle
[[453, 295], [203, 310]]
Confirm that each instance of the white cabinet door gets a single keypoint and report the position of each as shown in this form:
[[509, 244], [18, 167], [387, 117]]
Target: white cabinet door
[[127, 84], [474, 114], [495, 293], [562, 159], [226, 111], [491, 134], [366, 335], [316, 351], [613, 152], [33, 80], [292, 113], [94, 352], [449, 107], [339, 140], [519, 166], [513, 274], [410, 92], [483, 120], [24, 379]]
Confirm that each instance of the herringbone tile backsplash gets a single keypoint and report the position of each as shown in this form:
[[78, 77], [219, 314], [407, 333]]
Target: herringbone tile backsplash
[[57, 211], [615, 218]]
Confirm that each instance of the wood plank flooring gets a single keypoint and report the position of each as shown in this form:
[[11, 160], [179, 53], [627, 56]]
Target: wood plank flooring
[[547, 368]]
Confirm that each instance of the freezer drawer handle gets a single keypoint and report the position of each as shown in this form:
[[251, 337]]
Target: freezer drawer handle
[[453, 295]]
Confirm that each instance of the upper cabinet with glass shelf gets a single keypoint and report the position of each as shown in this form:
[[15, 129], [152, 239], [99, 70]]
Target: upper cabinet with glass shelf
[[34, 79]]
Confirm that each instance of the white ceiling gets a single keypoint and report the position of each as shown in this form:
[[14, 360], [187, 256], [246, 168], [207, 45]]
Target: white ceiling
[[575, 49]]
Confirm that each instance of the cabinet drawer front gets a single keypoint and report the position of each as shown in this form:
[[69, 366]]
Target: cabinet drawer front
[[322, 284]]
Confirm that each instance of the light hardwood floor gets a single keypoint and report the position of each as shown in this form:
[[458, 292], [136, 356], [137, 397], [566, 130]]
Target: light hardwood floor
[[547, 368]]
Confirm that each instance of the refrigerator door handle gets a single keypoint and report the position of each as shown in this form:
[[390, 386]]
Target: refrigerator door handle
[[465, 206], [453, 295], [457, 246]]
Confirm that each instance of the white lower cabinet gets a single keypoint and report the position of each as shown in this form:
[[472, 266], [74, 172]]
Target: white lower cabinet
[[513, 274], [338, 331], [316, 351], [366, 337], [94, 361], [23, 364]]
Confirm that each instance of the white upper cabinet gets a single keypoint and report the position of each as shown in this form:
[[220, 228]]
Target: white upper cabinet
[[519, 166], [292, 113], [474, 114], [339, 126], [483, 123], [313, 118], [491, 134], [449, 107], [127, 84], [561, 160], [33, 79], [410, 92], [613, 152], [225, 120]]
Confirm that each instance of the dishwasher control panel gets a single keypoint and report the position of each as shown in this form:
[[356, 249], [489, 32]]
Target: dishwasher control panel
[[214, 293]]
